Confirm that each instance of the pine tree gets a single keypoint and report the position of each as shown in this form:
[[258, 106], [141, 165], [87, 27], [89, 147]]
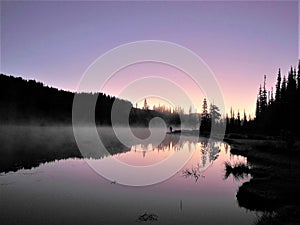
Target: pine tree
[[205, 125], [190, 110], [278, 86], [298, 77], [214, 113], [272, 96], [291, 83], [204, 108], [231, 120], [245, 122], [227, 123], [145, 107], [258, 103], [238, 119], [263, 98], [283, 89]]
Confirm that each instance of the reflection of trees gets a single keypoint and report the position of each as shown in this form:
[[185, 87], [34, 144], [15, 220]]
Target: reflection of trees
[[204, 150], [226, 147], [169, 140], [169, 143], [214, 150], [203, 159], [238, 170], [209, 152], [28, 147]]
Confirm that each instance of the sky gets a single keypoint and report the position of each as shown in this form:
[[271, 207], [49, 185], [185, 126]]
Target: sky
[[241, 41]]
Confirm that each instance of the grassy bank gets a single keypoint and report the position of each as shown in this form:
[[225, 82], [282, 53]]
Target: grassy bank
[[275, 184]]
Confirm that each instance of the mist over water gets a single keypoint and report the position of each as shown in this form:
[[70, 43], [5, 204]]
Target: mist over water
[[45, 180]]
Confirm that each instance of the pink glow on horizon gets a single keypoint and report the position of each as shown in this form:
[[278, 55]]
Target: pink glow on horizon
[[181, 82], [240, 41]]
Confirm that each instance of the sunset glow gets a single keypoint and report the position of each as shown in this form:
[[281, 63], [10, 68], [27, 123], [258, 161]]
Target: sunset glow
[[55, 42]]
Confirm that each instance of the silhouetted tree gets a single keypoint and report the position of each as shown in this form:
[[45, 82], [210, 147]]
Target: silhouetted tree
[[214, 113], [258, 104], [23, 101], [271, 97], [238, 121], [190, 110], [278, 86], [298, 77], [291, 84], [283, 89], [282, 112], [245, 122], [227, 123], [263, 98], [205, 125], [145, 107]]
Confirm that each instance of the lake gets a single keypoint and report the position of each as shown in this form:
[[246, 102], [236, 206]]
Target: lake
[[65, 188]]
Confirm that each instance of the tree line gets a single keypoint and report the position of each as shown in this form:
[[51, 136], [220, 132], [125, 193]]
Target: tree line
[[279, 111], [23, 101], [211, 117], [28, 101]]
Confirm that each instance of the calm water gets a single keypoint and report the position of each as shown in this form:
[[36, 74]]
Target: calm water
[[69, 191]]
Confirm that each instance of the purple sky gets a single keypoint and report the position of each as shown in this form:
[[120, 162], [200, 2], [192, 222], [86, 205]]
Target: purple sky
[[55, 42]]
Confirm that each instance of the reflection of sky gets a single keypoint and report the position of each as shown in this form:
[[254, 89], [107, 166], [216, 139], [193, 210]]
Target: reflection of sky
[[71, 191], [55, 42]]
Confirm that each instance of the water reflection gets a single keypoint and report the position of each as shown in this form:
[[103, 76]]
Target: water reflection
[[69, 192], [147, 154], [29, 146], [239, 171]]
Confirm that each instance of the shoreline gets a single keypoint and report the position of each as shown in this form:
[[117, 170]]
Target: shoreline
[[274, 185]]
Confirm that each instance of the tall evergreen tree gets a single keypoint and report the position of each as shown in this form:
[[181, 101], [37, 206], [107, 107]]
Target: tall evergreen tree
[[278, 86], [205, 125], [227, 123], [190, 110], [245, 122], [245, 115], [283, 89], [238, 122], [272, 96], [298, 77], [263, 98], [214, 113], [258, 103], [204, 108], [231, 120], [145, 107], [291, 83]]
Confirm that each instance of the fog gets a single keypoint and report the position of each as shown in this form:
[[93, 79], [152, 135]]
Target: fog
[[27, 146]]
